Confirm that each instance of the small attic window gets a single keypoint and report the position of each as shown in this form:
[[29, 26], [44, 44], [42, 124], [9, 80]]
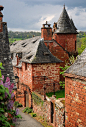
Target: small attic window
[[28, 52], [46, 53], [24, 45], [14, 43], [20, 55], [29, 57], [34, 41]]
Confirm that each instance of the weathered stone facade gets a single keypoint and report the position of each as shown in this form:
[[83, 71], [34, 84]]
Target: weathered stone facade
[[52, 110], [33, 78]]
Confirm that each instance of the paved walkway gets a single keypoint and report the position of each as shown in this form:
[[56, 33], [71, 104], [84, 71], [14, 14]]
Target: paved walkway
[[27, 121]]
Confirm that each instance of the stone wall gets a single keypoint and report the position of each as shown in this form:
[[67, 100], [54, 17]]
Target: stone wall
[[67, 41], [51, 73], [32, 78], [58, 52], [75, 102], [45, 111]]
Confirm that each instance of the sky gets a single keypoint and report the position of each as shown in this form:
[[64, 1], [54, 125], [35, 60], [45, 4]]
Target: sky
[[29, 15]]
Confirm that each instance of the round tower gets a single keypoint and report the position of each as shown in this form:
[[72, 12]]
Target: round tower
[[65, 33]]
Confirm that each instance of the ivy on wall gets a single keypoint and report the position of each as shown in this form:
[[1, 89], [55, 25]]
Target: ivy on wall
[[36, 99]]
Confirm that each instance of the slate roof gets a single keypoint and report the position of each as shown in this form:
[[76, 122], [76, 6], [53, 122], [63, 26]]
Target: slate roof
[[5, 56], [79, 67], [33, 51], [65, 24]]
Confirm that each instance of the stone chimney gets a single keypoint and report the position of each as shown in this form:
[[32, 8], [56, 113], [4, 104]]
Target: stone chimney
[[46, 32], [1, 18]]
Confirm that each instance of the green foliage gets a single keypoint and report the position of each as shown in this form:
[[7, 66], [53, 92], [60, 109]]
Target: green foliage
[[16, 36], [67, 65], [17, 104], [81, 42], [37, 100], [83, 46], [1, 66], [62, 83], [59, 94], [6, 103], [28, 110], [34, 115]]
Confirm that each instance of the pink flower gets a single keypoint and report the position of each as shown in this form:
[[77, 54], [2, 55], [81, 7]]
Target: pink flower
[[12, 95], [17, 111], [10, 104], [11, 88], [6, 95], [7, 79]]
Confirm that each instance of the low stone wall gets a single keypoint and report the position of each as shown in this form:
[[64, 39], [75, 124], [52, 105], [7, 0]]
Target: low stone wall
[[52, 110]]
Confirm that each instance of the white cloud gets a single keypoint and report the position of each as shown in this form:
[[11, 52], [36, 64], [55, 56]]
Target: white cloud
[[79, 17], [22, 15]]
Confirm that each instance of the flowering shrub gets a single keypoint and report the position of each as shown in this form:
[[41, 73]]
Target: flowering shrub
[[7, 115]]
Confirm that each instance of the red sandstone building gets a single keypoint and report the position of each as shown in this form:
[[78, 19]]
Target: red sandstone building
[[75, 93], [36, 61]]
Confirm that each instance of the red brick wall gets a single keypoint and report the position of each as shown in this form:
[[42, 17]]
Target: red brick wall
[[46, 33], [50, 70], [1, 24], [37, 83], [57, 51], [75, 102], [67, 41], [25, 78]]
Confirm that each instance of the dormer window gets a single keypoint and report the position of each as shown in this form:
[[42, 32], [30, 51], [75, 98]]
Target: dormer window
[[20, 55]]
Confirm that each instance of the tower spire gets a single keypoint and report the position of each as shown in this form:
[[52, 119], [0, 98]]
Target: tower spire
[[64, 6]]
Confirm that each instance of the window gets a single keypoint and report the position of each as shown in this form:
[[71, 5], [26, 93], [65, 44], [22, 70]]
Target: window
[[25, 66]]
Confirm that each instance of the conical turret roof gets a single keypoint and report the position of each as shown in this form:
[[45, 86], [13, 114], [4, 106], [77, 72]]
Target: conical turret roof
[[65, 24]]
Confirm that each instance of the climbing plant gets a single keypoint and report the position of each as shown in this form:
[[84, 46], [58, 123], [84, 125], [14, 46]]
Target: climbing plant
[[37, 100], [63, 69]]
